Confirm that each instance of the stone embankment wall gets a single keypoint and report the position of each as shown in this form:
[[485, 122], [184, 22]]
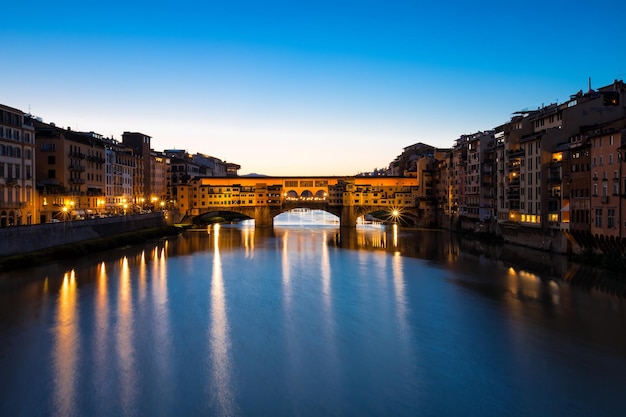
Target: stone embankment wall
[[24, 239], [547, 240]]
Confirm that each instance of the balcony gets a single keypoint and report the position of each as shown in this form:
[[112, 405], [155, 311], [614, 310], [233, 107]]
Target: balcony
[[76, 154], [554, 179], [78, 181], [515, 153], [12, 205], [77, 167], [10, 181], [513, 195]]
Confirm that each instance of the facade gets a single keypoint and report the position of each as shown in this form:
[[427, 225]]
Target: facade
[[606, 179], [459, 176], [17, 169], [121, 166], [580, 184], [159, 180], [70, 172], [141, 146]]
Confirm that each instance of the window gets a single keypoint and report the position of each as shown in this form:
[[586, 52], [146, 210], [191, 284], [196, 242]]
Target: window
[[1, 169], [598, 217], [610, 218], [52, 173], [51, 160]]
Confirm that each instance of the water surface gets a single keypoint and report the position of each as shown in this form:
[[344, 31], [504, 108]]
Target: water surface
[[306, 320]]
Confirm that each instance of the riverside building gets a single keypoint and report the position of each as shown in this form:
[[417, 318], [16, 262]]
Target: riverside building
[[17, 168]]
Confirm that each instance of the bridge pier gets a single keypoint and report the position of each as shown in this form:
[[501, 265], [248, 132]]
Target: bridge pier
[[348, 217], [263, 217]]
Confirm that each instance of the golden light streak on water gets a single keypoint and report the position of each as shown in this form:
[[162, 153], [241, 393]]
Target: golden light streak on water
[[219, 338], [161, 326], [124, 338], [395, 235], [330, 331], [286, 277], [143, 272], [100, 343], [248, 241], [66, 347], [399, 292]]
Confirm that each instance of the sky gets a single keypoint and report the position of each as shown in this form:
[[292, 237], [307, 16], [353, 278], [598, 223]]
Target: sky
[[298, 87]]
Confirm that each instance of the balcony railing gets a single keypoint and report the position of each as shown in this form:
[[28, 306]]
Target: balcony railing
[[516, 153], [77, 167], [12, 205], [75, 154]]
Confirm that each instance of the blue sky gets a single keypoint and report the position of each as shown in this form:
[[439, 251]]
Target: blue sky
[[302, 88]]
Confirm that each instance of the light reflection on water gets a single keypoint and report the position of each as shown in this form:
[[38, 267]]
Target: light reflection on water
[[67, 347], [307, 320], [219, 339]]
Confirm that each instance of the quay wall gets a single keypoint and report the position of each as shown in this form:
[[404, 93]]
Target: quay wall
[[551, 240], [24, 239]]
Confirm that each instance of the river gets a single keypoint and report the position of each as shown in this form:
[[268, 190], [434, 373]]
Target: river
[[307, 319]]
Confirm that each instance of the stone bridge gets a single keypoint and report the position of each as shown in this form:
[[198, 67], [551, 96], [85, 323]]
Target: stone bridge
[[263, 198]]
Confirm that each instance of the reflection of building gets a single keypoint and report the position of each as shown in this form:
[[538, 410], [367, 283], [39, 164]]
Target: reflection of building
[[17, 168]]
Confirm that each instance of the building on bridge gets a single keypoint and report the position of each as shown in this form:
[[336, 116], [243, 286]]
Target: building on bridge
[[262, 198]]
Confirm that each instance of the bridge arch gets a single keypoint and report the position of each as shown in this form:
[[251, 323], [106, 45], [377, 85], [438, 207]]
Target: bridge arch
[[220, 216], [306, 194]]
